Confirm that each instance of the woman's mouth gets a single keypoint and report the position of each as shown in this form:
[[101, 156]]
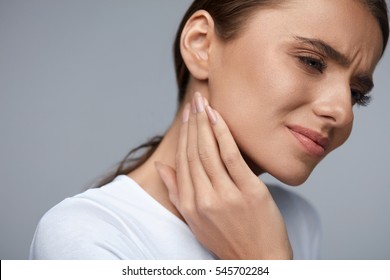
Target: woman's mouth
[[313, 142]]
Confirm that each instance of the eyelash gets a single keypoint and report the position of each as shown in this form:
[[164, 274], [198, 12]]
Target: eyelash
[[319, 65], [362, 99], [313, 62]]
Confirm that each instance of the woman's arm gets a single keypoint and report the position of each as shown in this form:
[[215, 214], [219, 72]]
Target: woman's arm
[[225, 204]]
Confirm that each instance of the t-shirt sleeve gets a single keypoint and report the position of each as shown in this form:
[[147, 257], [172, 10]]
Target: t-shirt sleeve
[[79, 229]]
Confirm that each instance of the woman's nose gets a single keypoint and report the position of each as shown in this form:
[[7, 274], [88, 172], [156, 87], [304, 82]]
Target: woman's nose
[[335, 106]]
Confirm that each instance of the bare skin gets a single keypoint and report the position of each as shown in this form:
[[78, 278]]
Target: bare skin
[[276, 76]]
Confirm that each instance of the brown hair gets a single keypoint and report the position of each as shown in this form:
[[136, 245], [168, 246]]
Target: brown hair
[[229, 18]]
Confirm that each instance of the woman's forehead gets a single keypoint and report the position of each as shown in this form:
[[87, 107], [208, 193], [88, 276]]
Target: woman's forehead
[[346, 25]]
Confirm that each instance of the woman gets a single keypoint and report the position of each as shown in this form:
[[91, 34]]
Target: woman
[[264, 87]]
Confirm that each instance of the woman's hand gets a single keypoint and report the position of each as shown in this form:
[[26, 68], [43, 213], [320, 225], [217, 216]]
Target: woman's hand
[[227, 207]]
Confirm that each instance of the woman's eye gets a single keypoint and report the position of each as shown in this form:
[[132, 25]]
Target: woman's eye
[[314, 63], [360, 98]]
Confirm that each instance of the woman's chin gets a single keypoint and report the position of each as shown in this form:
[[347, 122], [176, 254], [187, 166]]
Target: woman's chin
[[293, 180], [290, 174]]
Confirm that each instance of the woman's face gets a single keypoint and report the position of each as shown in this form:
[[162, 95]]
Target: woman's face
[[287, 85]]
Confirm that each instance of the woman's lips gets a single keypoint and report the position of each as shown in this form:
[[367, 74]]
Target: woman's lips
[[313, 142]]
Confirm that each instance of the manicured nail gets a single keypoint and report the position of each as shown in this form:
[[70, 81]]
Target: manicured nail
[[193, 106], [186, 113], [199, 102], [206, 102], [211, 114]]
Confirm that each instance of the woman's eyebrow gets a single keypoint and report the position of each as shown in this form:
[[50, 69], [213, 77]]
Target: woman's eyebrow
[[364, 80], [325, 48]]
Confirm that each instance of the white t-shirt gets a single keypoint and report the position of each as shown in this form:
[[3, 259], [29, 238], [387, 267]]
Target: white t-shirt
[[121, 221]]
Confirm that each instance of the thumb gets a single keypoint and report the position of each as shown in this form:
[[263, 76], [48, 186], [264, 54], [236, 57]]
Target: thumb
[[168, 175]]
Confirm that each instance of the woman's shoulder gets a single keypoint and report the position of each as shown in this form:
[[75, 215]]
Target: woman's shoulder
[[92, 205], [84, 227]]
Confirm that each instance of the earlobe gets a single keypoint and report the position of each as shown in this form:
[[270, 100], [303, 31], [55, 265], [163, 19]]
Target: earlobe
[[196, 42]]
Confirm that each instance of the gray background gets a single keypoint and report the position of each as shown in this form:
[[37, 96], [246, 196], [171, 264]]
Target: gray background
[[81, 82]]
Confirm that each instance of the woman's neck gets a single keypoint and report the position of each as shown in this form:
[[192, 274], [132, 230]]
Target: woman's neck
[[146, 175]]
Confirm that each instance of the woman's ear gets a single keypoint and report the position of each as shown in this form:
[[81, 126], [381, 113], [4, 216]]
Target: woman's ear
[[195, 44]]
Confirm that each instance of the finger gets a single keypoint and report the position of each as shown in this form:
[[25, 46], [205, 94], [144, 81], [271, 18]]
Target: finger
[[168, 175], [208, 150], [231, 156], [183, 177], [201, 183]]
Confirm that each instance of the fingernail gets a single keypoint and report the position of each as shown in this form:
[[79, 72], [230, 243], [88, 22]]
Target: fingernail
[[193, 106], [186, 113], [206, 102], [211, 114], [199, 102]]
